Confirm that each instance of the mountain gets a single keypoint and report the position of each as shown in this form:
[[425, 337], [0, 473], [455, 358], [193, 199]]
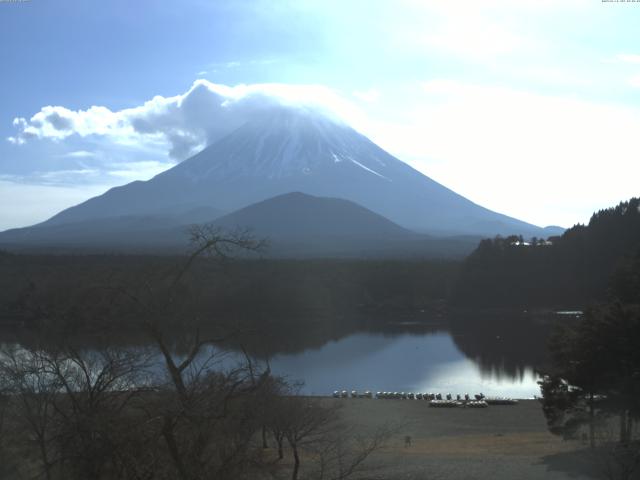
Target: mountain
[[129, 232], [301, 225], [295, 225], [291, 150], [298, 215]]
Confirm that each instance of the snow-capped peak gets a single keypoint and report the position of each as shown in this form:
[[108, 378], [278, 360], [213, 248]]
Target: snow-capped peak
[[284, 144]]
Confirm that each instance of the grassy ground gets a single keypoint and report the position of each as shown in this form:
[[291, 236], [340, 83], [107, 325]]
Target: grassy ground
[[499, 442]]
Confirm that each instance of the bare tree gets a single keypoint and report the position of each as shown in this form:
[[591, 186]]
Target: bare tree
[[33, 394], [274, 412], [342, 453], [7, 464], [313, 429], [98, 386], [70, 405], [209, 417], [304, 421]]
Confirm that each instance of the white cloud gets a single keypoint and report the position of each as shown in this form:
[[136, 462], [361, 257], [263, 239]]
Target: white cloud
[[635, 81], [480, 32], [371, 95], [556, 76], [78, 154], [627, 58], [472, 38], [183, 123]]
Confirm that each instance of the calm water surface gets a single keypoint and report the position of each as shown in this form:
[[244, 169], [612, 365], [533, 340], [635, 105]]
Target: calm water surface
[[410, 362]]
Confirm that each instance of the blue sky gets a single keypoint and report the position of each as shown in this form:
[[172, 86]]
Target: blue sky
[[530, 108]]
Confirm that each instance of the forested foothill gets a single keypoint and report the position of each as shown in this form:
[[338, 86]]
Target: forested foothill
[[572, 270]]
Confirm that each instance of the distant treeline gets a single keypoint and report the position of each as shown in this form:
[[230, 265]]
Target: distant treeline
[[575, 269], [89, 292], [286, 303]]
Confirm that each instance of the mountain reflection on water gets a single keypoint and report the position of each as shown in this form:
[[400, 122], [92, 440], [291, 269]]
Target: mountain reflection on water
[[473, 352], [410, 362], [492, 354]]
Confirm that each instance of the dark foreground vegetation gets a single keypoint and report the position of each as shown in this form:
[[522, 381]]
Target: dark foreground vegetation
[[71, 413], [103, 414]]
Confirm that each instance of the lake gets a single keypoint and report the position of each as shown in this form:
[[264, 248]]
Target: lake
[[409, 362], [494, 358]]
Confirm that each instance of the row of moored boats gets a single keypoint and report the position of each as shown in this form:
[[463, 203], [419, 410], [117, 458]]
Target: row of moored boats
[[434, 399]]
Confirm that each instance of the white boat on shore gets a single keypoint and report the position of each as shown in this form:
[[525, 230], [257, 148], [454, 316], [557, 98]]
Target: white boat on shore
[[501, 401]]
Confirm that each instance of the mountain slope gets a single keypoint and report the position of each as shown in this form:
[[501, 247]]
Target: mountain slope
[[301, 225], [297, 215], [117, 232], [291, 150], [296, 225]]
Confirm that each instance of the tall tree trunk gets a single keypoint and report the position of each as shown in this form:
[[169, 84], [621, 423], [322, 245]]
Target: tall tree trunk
[[296, 462], [623, 427], [592, 440], [279, 440], [264, 437], [45, 459], [174, 452]]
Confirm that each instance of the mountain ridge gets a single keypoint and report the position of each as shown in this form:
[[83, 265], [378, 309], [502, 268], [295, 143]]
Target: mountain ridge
[[298, 214], [296, 225], [300, 151]]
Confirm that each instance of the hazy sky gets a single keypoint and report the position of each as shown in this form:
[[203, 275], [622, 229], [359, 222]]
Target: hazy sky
[[530, 108]]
